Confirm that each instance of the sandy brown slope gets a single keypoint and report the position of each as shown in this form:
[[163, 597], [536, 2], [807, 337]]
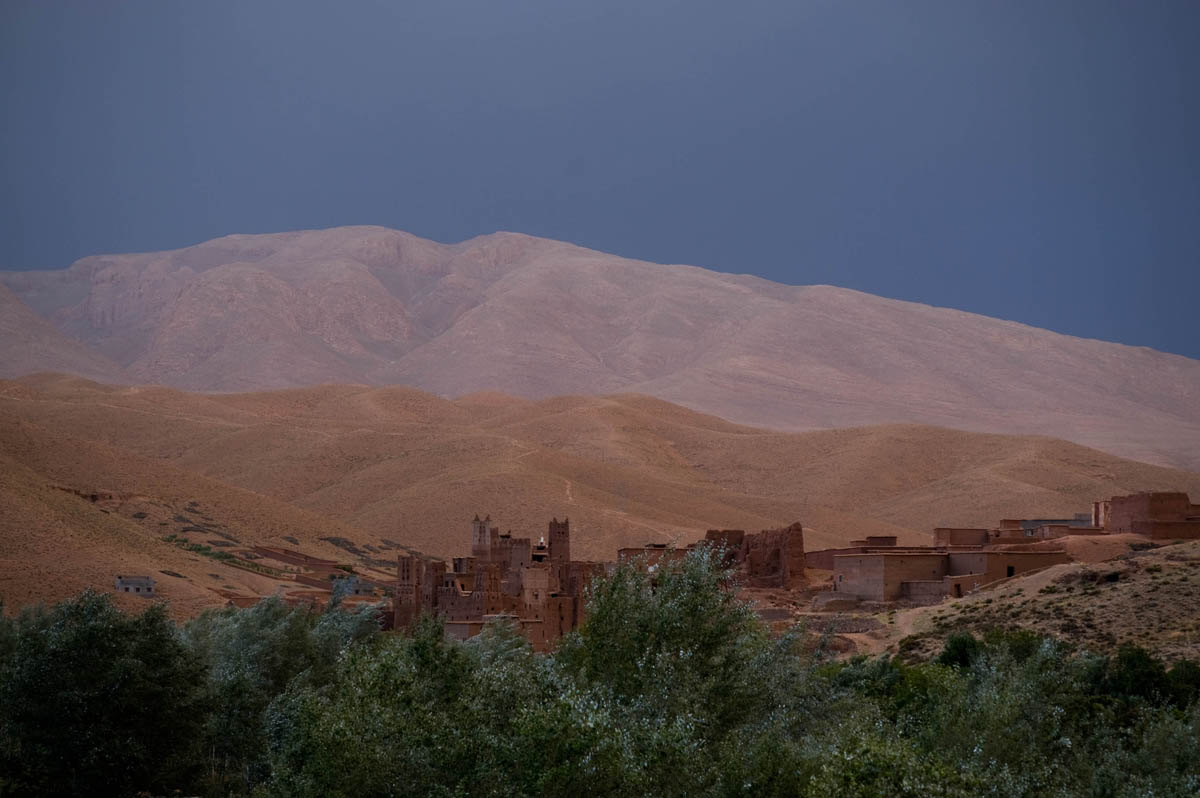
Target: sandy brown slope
[[54, 542], [539, 318], [395, 465]]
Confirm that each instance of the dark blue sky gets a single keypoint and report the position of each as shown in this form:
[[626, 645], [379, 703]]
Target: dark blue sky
[[1037, 161]]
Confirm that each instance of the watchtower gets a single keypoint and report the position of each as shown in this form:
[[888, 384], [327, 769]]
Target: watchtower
[[481, 539], [559, 539]]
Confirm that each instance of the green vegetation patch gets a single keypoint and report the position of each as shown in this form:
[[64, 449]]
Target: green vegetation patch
[[671, 687]]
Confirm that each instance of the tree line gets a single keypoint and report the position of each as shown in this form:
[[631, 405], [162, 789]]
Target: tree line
[[672, 687]]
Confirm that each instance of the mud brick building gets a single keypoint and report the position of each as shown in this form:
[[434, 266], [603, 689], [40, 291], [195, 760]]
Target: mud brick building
[[138, 585], [1159, 516], [770, 558], [964, 559], [537, 586], [928, 576]]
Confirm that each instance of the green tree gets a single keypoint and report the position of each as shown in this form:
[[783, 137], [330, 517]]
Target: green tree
[[392, 722], [251, 656], [679, 664], [96, 702]]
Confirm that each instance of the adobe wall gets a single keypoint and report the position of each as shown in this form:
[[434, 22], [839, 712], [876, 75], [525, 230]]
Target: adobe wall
[[1168, 530], [775, 557], [575, 577], [561, 616], [1086, 530], [535, 589], [1125, 510], [926, 591], [994, 565], [796, 561], [959, 536], [771, 558], [860, 576], [880, 577], [455, 606], [823, 559], [958, 585], [731, 539]]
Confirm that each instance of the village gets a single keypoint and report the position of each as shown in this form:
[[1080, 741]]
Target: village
[[541, 590]]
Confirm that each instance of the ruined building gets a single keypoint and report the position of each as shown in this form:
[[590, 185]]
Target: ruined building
[[538, 586], [770, 558]]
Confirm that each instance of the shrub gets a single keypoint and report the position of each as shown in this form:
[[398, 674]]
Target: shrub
[[960, 649]]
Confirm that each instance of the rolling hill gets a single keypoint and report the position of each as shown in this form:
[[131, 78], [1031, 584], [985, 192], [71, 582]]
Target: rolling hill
[[538, 318], [330, 467]]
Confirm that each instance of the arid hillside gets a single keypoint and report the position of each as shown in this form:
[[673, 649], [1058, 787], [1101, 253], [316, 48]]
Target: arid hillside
[[338, 468], [1149, 596], [538, 318]]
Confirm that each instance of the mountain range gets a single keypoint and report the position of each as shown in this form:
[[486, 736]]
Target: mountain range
[[537, 318]]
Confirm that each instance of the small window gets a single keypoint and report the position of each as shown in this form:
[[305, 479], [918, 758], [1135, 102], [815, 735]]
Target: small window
[[1011, 570]]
